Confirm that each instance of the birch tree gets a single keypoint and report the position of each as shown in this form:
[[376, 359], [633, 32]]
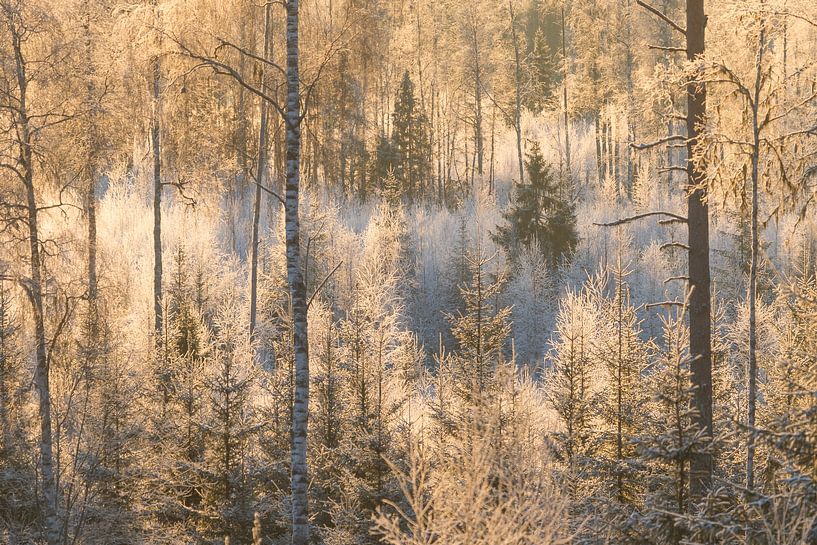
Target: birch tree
[[24, 128]]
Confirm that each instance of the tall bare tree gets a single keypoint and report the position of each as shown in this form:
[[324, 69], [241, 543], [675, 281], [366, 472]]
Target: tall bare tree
[[20, 24], [261, 169], [155, 140]]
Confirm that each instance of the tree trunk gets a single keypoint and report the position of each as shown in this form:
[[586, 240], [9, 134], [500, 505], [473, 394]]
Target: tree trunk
[[478, 146], [564, 98], [297, 289], [90, 165], [700, 326], [34, 289], [599, 160], [262, 169], [752, 386], [157, 197], [518, 113]]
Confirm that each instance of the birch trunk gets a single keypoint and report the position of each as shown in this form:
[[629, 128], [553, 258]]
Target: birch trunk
[[297, 289], [34, 287]]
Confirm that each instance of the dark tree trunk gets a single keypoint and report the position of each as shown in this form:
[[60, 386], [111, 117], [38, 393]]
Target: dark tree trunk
[[700, 341], [262, 170], [157, 197]]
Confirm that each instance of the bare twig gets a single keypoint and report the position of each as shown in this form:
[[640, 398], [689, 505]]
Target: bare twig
[[664, 304], [323, 282]]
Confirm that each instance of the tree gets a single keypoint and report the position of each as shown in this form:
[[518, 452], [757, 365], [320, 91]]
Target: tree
[[25, 73], [410, 140], [481, 331], [541, 214], [624, 354], [700, 302], [156, 148], [19, 505], [231, 425], [261, 169], [295, 281], [571, 388], [697, 220], [670, 438]]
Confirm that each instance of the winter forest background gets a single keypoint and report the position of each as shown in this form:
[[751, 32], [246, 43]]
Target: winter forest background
[[408, 272]]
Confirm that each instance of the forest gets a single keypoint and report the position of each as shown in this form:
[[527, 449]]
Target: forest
[[408, 272]]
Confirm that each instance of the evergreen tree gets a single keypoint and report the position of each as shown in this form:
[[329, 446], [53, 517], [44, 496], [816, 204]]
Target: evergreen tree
[[410, 138], [384, 162], [229, 427], [541, 214], [622, 351], [668, 437], [480, 331], [19, 505], [542, 63], [571, 384]]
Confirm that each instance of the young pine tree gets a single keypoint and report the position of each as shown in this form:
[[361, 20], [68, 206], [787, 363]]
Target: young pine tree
[[624, 354], [571, 386]]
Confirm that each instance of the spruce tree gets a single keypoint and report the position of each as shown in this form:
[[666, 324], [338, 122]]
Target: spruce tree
[[410, 138], [668, 438], [541, 214], [229, 427], [19, 505], [480, 331]]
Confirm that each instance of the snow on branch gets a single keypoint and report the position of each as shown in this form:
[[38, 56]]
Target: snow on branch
[[662, 16], [665, 140], [673, 218]]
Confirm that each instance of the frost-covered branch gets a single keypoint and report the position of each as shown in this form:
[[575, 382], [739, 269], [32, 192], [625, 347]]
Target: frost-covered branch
[[672, 216]]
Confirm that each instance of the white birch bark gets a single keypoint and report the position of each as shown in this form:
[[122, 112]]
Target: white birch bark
[[297, 289]]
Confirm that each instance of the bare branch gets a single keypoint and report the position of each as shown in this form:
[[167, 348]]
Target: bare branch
[[224, 69], [669, 245], [662, 16], [180, 185], [665, 140], [675, 218], [648, 306], [271, 192], [320, 286], [250, 54], [669, 49]]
